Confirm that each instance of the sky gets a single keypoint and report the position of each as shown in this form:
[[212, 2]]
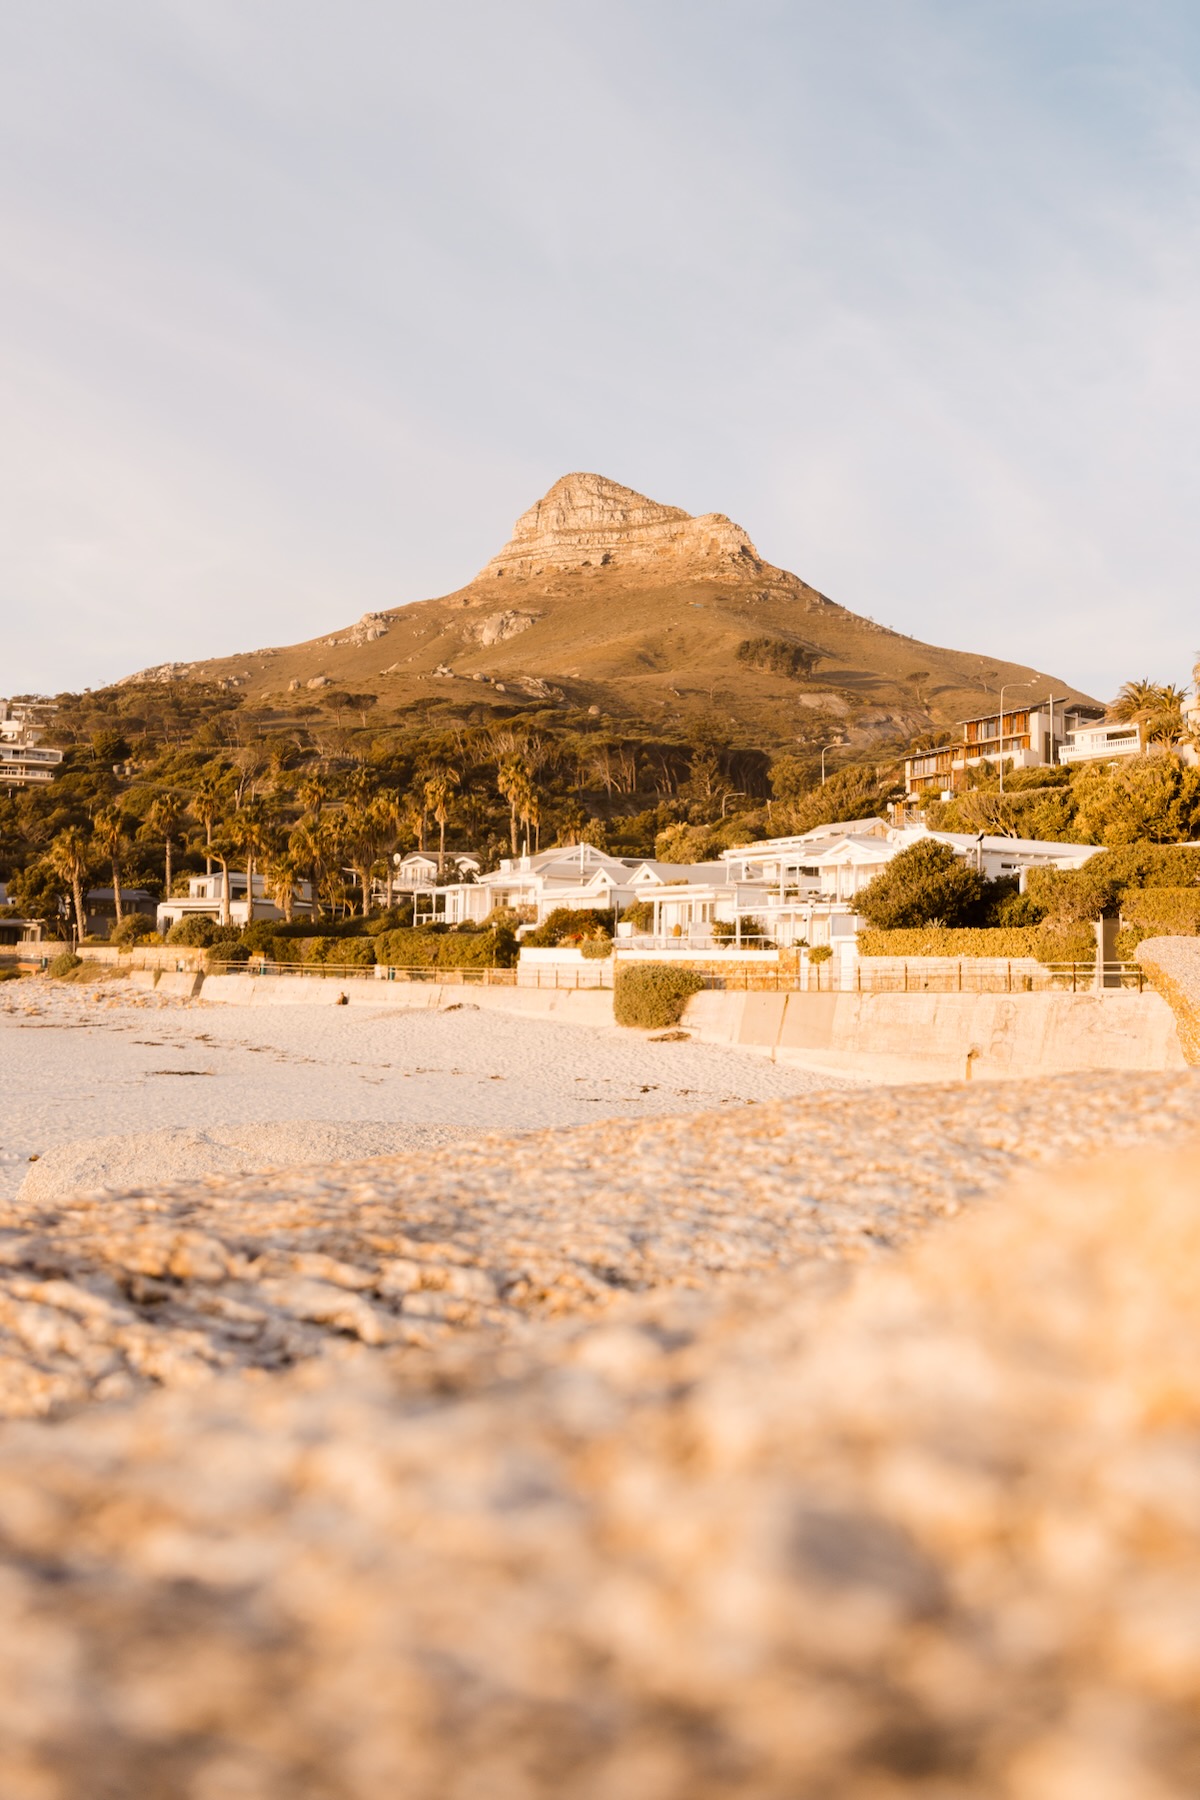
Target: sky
[[302, 304]]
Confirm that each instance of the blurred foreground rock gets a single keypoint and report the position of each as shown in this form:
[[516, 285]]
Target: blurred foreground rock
[[931, 1529], [105, 1295]]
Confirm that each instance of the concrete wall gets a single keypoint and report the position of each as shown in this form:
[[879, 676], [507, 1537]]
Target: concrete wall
[[927, 1037], [882, 1037], [583, 1006]]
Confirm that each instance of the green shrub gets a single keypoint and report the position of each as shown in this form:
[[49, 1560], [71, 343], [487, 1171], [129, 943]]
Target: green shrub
[[820, 953], [351, 952], [417, 948], [1165, 911], [133, 930], [597, 948], [227, 950], [10, 974], [568, 924], [196, 931], [927, 884], [653, 995], [65, 964], [640, 915], [1051, 942]]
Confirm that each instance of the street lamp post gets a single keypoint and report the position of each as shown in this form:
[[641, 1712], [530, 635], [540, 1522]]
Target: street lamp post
[[1003, 688], [833, 744]]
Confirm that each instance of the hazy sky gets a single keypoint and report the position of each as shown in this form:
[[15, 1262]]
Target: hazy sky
[[301, 304]]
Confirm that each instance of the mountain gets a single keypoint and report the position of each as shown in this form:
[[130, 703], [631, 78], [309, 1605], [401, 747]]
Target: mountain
[[605, 601]]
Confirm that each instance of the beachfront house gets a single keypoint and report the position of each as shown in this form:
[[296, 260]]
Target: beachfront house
[[804, 889], [203, 901], [534, 886]]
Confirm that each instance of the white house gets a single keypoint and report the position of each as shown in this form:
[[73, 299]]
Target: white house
[[804, 889], [575, 875], [1102, 743], [203, 901]]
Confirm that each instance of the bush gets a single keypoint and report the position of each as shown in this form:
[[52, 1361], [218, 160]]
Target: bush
[[567, 925], [927, 884], [597, 948], [195, 931], [416, 948], [820, 953], [349, 952], [1165, 911], [66, 964], [1048, 943], [653, 996], [640, 915], [133, 930], [229, 949]]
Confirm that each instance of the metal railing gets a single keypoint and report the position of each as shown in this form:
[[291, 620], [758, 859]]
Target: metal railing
[[967, 975], [597, 976]]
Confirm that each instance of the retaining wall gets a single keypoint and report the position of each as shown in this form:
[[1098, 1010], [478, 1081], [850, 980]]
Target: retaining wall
[[927, 1037], [883, 1037]]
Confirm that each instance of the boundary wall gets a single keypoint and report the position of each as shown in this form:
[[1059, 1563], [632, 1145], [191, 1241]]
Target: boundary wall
[[879, 1037], [934, 1037]]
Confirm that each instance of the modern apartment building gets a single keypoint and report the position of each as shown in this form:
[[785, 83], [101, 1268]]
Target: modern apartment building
[[24, 760], [1027, 737]]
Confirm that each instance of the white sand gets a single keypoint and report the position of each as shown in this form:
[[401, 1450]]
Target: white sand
[[110, 1087]]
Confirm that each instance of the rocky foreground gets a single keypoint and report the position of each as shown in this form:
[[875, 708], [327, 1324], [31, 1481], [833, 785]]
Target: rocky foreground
[[687, 1459]]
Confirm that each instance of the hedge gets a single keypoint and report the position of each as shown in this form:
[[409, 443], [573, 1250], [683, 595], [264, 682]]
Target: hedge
[[654, 995], [1171, 911], [1048, 943], [416, 949], [65, 964]]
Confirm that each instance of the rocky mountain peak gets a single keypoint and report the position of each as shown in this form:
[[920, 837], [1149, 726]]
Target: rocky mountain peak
[[587, 520]]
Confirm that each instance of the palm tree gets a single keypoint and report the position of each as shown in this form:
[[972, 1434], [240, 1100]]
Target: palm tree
[[514, 783], [281, 874], [437, 799], [109, 830], [1137, 700], [206, 805], [387, 807], [416, 814], [70, 860], [166, 816], [223, 848], [360, 830], [251, 831], [312, 794]]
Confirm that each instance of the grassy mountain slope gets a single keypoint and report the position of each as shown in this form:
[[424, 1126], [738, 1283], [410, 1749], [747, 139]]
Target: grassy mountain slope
[[604, 600]]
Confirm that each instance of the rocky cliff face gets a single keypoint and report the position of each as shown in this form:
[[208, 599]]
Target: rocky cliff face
[[588, 521]]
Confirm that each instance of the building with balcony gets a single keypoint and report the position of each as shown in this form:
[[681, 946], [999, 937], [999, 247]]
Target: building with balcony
[[203, 901], [1027, 738], [24, 760], [1102, 743]]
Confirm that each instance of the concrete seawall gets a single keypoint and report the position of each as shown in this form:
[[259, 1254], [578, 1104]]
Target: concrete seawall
[[927, 1037], [882, 1037]]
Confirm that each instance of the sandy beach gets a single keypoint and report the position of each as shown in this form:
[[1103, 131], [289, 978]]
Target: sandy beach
[[109, 1086]]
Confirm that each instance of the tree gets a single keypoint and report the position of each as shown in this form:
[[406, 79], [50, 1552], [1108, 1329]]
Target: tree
[[360, 834], [1149, 799], [251, 831], [223, 848], [166, 816], [854, 793], [112, 842], [437, 799], [515, 783], [926, 884], [71, 860], [206, 806], [281, 875], [1136, 701]]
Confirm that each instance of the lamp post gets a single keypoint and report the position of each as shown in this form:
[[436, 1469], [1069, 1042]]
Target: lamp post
[[833, 744], [1004, 685]]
